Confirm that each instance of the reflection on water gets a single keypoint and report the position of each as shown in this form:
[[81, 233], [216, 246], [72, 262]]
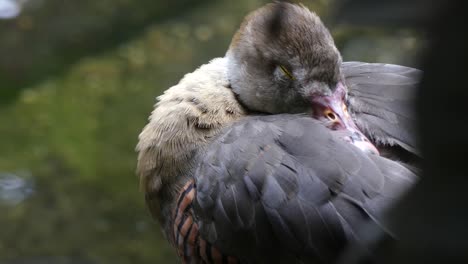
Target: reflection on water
[[14, 188], [10, 8]]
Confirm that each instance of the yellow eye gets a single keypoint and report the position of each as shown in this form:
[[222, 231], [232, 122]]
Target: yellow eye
[[286, 72], [330, 115]]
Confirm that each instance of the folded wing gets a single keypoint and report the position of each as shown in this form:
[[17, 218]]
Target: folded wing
[[381, 98], [285, 186]]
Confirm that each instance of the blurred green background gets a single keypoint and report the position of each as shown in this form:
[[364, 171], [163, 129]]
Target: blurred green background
[[78, 80]]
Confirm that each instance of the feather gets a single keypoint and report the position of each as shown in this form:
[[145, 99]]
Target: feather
[[306, 199], [381, 99]]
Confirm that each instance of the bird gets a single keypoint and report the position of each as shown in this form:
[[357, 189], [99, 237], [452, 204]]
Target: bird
[[278, 152]]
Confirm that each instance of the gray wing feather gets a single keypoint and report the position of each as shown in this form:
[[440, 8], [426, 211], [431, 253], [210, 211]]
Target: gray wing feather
[[284, 186], [381, 98]]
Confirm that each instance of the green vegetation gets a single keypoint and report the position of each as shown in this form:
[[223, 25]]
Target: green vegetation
[[50, 34]]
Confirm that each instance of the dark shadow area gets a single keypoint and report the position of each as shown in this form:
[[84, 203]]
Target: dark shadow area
[[430, 223]]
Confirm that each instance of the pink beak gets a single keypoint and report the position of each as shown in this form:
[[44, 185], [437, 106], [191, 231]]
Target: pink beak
[[334, 112]]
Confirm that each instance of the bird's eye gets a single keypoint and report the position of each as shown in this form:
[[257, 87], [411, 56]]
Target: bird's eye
[[330, 115], [286, 72]]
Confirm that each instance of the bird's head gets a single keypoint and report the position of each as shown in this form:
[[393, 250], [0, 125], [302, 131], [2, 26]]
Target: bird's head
[[284, 60]]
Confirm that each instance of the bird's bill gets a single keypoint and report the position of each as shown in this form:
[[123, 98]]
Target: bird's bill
[[333, 111]]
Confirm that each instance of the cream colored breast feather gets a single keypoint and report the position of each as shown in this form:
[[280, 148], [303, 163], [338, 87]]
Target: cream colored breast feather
[[185, 119]]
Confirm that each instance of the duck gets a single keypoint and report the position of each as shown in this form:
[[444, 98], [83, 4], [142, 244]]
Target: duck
[[278, 152]]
